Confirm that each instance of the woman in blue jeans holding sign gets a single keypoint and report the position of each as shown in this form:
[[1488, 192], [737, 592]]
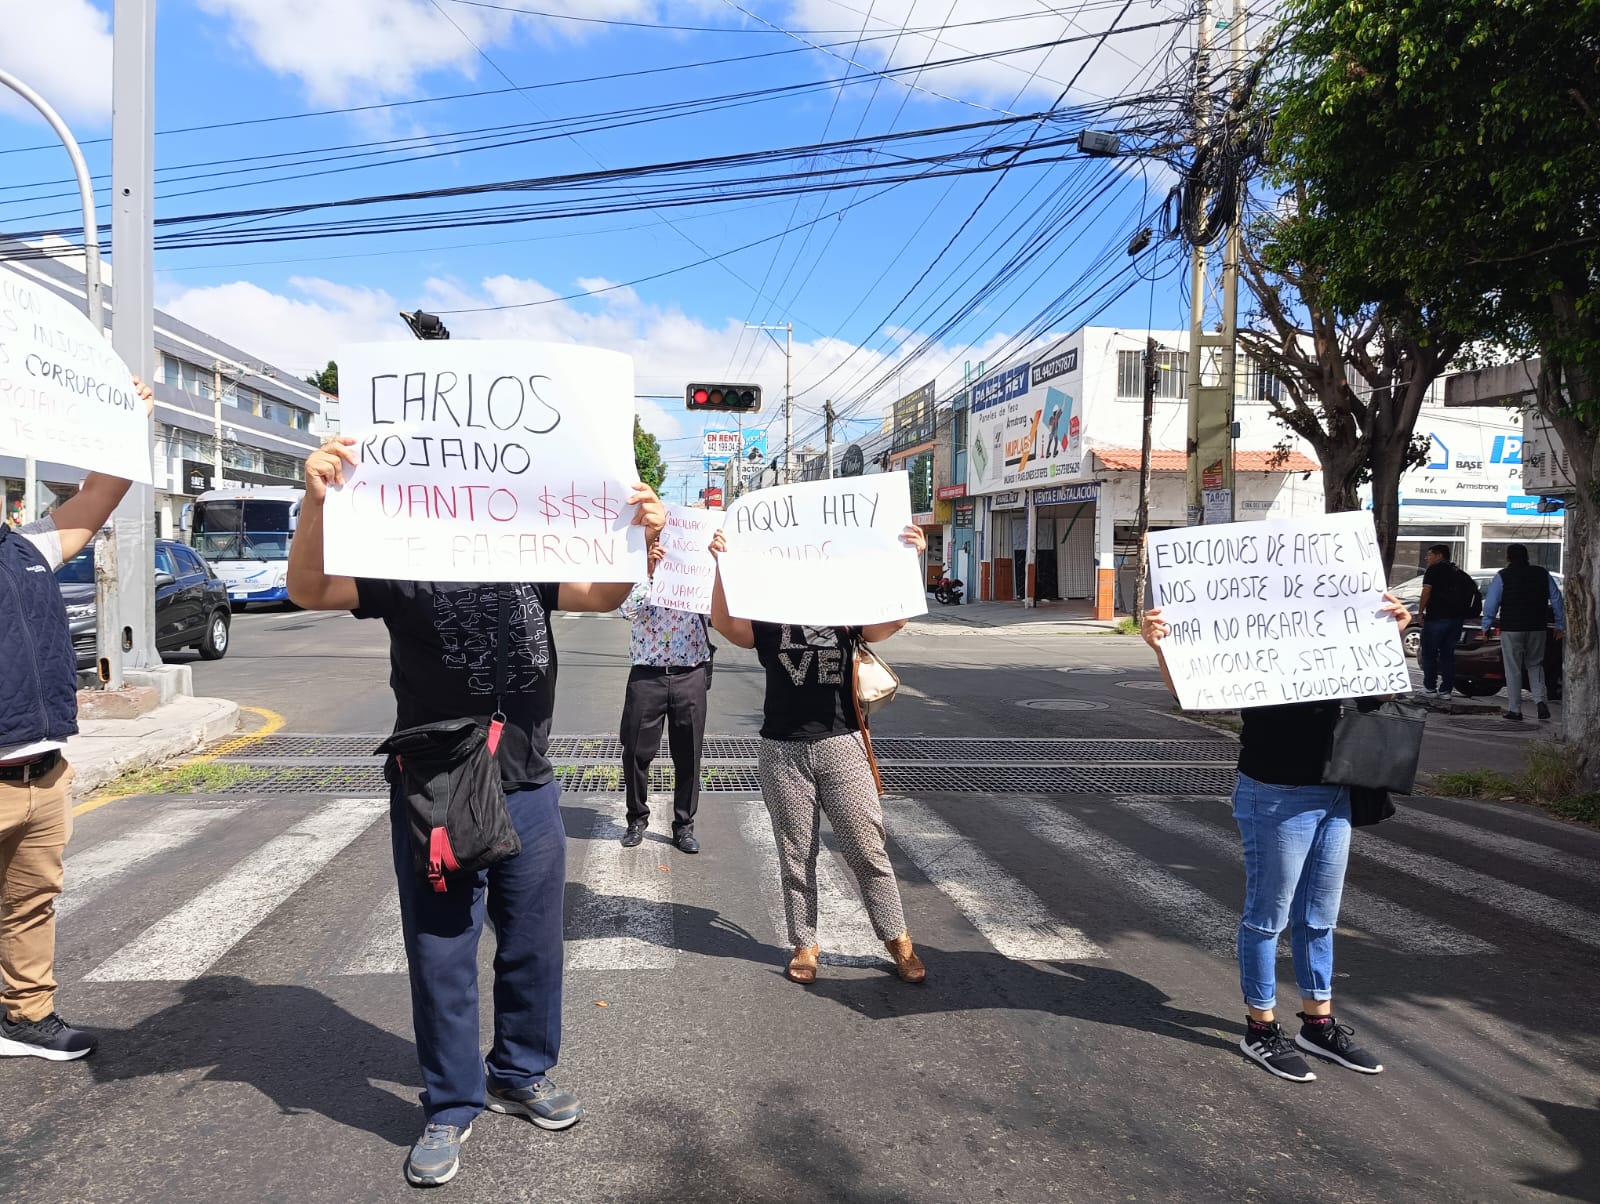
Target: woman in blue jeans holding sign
[[1295, 831]]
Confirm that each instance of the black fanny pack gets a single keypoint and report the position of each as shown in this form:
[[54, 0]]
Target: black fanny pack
[[449, 782], [455, 804]]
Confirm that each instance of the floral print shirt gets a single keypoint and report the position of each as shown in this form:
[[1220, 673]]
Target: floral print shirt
[[661, 637]]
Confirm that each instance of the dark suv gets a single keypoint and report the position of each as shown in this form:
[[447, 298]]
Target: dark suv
[[191, 603]]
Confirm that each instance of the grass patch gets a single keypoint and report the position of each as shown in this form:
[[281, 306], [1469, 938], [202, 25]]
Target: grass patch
[[1549, 780], [186, 779], [1127, 626]]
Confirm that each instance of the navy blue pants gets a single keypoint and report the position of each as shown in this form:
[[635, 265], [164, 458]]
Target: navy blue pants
[[522, 897]]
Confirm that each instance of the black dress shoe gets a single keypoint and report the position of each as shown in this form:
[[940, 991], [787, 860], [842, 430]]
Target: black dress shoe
[[634, 836], [686, 842]]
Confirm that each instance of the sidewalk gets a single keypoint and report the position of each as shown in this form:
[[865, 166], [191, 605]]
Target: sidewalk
[[104, 749], [1067, 618]]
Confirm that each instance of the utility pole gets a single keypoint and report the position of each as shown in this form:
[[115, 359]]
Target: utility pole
[[125, 616], [1214, 311], [788, 399], [827, 426], [1143, 575]]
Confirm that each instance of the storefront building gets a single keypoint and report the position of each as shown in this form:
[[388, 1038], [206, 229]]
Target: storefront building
[[1053, 466]]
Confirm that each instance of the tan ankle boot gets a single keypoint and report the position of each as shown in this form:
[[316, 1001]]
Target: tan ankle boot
[[803, 965], [906, 962]]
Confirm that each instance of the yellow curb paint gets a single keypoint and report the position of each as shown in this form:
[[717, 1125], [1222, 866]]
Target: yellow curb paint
[[271, 722]]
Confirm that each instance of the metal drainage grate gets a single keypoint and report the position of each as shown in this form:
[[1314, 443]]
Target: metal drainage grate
[[903, 779], [945, 750], [288, 744]]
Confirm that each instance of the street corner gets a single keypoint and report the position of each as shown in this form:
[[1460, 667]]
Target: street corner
[[108, 749]]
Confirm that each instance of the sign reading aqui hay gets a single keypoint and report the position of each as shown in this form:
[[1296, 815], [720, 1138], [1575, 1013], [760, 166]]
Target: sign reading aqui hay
[[825, 553], [64, 395], [1285, 610], [486, 461], [685, 577]]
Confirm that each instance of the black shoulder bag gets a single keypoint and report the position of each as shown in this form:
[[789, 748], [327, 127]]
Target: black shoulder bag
[[1374, 751], [450, 784]]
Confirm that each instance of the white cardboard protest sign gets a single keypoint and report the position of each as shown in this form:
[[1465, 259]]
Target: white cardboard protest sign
[[684, 578], [826, 553], [486, 461], [1280, 611], [64, 394]]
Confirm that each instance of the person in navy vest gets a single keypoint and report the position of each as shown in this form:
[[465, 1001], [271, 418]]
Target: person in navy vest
[[38, 711], [1525, 603], [442, 659]]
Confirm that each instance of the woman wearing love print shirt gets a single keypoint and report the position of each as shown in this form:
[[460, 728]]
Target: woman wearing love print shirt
[[813, 760]]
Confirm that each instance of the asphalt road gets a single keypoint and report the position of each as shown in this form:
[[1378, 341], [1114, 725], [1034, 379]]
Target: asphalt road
[[1075, 1040]]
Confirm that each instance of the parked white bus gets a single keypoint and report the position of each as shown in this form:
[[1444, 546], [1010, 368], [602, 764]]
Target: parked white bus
[[245, 534]]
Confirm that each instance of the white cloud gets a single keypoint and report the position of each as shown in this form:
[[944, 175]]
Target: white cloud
[[62, 50], [302, 329], [361, 50], [1122, 64]]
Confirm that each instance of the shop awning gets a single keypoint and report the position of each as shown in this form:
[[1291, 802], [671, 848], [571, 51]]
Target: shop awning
[[1126, 459]]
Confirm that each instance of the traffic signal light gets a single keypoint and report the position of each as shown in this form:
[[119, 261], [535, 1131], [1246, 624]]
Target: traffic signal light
[[739, 399]]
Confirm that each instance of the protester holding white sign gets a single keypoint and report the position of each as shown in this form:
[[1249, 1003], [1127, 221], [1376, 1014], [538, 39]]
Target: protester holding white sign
[[486, 461], [38, 712], [481, 651], [824, 552], [815, 754], [683, 577], [64, 394], [1283, 619]]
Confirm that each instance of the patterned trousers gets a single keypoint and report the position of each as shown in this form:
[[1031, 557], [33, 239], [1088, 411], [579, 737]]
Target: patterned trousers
[[802, 779]]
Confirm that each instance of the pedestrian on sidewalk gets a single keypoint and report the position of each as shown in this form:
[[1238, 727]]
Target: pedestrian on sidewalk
[[1295, 832], [671, 653], [1449, 598], [442, 659], [1524, 602], [38, 711], [813, 760]]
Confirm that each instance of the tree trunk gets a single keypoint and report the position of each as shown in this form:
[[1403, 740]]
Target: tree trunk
[[1341, 479], [1580, 565], [1388, 462]]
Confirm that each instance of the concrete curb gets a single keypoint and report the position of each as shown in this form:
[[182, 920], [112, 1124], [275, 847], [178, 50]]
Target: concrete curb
[[107, 748]]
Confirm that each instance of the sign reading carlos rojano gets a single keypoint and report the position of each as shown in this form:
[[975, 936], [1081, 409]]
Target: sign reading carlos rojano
[[1280, 611]]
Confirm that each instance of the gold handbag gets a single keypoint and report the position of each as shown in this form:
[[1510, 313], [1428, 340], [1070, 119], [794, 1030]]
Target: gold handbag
[[876, 683]]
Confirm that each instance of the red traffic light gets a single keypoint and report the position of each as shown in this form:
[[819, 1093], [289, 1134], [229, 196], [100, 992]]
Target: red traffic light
[[742, 399]]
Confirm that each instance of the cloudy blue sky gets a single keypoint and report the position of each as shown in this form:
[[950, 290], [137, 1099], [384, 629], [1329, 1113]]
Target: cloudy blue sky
[[889, 281]]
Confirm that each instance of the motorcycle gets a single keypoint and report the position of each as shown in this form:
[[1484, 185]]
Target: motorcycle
[[947, 590]]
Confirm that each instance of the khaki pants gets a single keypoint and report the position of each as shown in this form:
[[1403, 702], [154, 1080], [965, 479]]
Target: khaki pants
[[35, 822]]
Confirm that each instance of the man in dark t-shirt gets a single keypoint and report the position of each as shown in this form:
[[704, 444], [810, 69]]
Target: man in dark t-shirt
[[1447, 595], [444, 656]]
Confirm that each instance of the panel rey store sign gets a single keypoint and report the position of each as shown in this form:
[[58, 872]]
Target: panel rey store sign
[[1026, 424]]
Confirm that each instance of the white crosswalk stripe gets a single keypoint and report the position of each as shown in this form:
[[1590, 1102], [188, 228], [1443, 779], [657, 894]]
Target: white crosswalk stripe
[[187, 942], [1530, 852], [843, 930], [623, 920], [1010, 916], [380, 949], [1187, 908], [90, 872], [1396, 925]]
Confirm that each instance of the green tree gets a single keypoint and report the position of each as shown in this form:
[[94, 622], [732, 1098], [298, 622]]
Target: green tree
[[1451, 150], [647, 456], [327, 380]]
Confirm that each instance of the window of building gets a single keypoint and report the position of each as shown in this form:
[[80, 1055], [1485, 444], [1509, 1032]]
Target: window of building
[[1253, 383], [1547, 554], [1172, 374]]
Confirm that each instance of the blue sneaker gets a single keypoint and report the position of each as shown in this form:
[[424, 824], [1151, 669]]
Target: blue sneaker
[[542, 1102], [436, 1157]]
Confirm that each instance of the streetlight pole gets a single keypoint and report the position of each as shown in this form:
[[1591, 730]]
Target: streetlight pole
[[788, 398]]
